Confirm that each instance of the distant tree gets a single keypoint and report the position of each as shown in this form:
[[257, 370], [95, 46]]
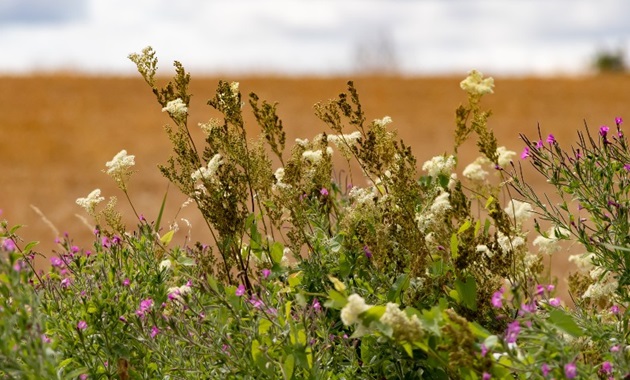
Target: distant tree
[[608, 61]]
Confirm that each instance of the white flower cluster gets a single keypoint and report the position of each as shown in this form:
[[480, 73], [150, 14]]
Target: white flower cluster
[[549, 245], [508, 244], [177, 292], [403, 328], [314, 156], [165, 265], [475, 84], [383, 122], [176, 108], [301, 142], [361, 195], [505, 156], [209, 170], [474, 171], [441, 204], [584, 262], [120, 164], [518, 210], [604, 287], [355, 306], [439, 165], [342, 140], [90, 202]]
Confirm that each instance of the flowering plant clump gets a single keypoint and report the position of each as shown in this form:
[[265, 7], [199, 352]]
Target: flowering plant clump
[[400, 271]]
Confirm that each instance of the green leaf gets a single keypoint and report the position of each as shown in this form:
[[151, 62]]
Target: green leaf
[[159, 217], [29, 247], [454, 248], [288, 367], [256, 354], [464, 227], [263, 326], [167, 237], [402, 283], [336, 300], [276, 252], [467, 292], [564, 321], [372, 314]]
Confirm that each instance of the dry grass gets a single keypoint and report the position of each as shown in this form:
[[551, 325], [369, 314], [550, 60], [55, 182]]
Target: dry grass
[[58, 131]]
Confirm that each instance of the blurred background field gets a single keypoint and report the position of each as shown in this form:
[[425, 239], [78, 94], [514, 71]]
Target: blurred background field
[[57, 132]]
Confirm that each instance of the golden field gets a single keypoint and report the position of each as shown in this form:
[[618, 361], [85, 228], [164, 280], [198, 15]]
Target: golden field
[[57, 132]]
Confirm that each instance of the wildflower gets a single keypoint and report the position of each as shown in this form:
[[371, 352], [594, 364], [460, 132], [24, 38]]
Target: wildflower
[[525, 153], [441, 203], [89, 203], [266, 272], [605, 284], [486, 376], [312, 156], [615, 348], [607, 367], [301, 142], [475, 84], [105, 242], [520, 211], [614, 309], [56, 261], [120, 164], [279, 174], [165, 265], [383, 122], [367, 252], [439, 165], [583, 262], [497, 299], [66, 282], [570, 370], [316, 305], [539, 144], [145, 306], [555, 302], [45, 338], [512, 332], [240, 290], [324, 192], [355, 306], [508, 244], [82, 325], [126, 282], [234, 87], [154, 331], [551, 139], [474, 171], [208, 172], [176, 108], [342, 141], [484, 350], [627, 167], [603, 131], [8, 245], [544, 368], [256, 302], [549, 244], [404, 328], [505, 156], [176, 292], [618, 120]]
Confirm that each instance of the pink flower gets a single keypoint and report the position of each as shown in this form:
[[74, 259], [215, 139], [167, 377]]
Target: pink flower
[[615, 348], [550, 288], [367, 252], [66, 282], [525, 153], [618, 120], [105, 242], [570, 370], [607, 367], [266, 272], [126, 282], [145, 306], [603, 131], [154, 331], [512, 332], [555, 302], [497, 299], [484, 350], [486, 376], [545, 369], [316, 305], [539, 144], [324, 192], [614, 309], [56, 261], [551, 139], [82, 325], [540, 290], [240, 290], [8, 245]]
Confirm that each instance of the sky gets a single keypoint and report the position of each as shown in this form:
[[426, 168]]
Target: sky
[[313, 37]]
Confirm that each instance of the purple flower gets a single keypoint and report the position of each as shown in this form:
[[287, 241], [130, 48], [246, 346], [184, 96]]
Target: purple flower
[[497, 299], [615, 348], [540, 290], [257, 303], [486, 376], [324, 192], [316, 305], [367, 251], [550, 288], [525, 153], [83, 376], [512, 332], [154, 331], [240, 290], [74, 249], [528, 308], [66, 282], [266, 272], [56, 261], [8, 245], [122, 319], [484, 350], [116, 240], [603, 131], [545, 369], [126, 282], [539, 144], [614, 309], [618, 120], [555, 302], [570, 370], [45, 338], [105, 242], [82, 325], [551, 139], [627, 167], [607, 367], [145, 306]]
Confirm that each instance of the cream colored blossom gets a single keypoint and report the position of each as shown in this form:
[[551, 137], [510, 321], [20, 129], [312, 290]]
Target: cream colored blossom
[[342, 140], [176, 108], [279, 174], [508, 244], [90, 202], [604, 287], [475, 84], [301, 142], [355, 306], [120, 164], [361, 195], [403, 328], [165, 265], [474, 171], [234, 87], [549, 244], [520, 211], [441, 203], [439, 165], [209, 170], [383, 122], [177, 292], [584, 262], [505, 156], [312, 156]]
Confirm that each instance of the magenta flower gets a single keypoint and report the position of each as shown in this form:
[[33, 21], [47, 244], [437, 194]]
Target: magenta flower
[[256, 302], [56, 261], [570, 370], [8, 245], [627, 167], [607, 367], [324, 192], [545, 369], [540, 290], [82, 325], [539, 144], [618, 120], [603, 131], [145, 306], [514, 328], [367, 251], [266, 272], [154, 331], [240, 290], [555, 302], [615, 348], [486, 376], [316, 305], [484, 350], [126, 282], [614, 309], [497, 299], [45, 338], [105, 242], [551, 139], [66, 282], [525, 153], [550, 288]]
